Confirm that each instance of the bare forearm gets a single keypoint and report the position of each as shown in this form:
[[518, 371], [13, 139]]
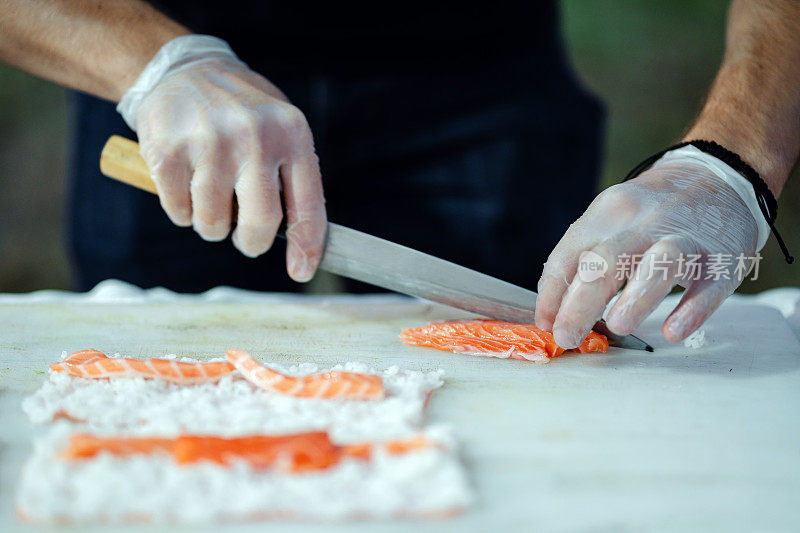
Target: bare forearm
[[95, 46], [754, 104]]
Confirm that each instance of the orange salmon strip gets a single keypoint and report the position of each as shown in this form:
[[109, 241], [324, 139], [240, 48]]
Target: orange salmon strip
[[330, 385], [495, 337], [96, 365], [83, 445], [300, 452]]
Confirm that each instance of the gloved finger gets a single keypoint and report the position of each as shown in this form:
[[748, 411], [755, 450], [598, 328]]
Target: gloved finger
[[595, 283], [260, 211], [557, 274], [655, 275], [616, 207], [702, 298], [212, 194], [171, 172], [305, 216]]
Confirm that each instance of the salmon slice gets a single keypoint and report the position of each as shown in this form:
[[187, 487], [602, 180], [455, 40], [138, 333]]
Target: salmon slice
[[83, 445], [78, 358], [394, 447], [329, 385], [495, 338], [96, 365], [294, 453], [301, 452], [85, 356]]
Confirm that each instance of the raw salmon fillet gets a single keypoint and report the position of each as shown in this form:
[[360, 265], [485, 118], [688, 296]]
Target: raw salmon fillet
[[295, 453], [334, 384], [93, 364], [495, 338]]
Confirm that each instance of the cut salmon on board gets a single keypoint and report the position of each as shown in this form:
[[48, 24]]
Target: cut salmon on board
[[495, 338], [83, 356], [334, 384], [294, 453], [93, 364]]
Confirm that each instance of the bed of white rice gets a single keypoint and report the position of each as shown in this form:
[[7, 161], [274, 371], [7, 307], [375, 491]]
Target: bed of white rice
[[109, 489], [233, 406], [116, 490]]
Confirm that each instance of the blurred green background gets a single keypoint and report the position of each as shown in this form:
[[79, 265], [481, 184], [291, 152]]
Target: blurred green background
[[651, 62]]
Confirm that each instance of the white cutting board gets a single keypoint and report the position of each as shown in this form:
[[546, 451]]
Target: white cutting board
[[675, 440]]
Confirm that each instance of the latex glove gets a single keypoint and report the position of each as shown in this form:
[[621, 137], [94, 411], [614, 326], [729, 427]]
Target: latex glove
[[687, 203], [209, 128]]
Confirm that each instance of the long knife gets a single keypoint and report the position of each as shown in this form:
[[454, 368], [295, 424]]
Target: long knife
[[376, 261], [359, 256]]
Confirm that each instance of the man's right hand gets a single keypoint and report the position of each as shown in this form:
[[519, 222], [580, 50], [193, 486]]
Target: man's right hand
[[211, 128]]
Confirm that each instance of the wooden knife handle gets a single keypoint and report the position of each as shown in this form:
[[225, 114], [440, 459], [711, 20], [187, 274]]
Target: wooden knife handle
[[120, 160]]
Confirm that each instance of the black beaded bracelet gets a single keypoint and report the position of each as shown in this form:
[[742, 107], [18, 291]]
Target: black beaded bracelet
[[764, 197]]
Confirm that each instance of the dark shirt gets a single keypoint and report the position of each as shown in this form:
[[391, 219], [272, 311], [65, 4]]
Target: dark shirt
[[373, 36], [453, 128]]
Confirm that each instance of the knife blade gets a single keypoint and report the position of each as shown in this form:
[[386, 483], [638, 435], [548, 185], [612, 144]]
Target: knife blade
[[356, 255], [376, 261]]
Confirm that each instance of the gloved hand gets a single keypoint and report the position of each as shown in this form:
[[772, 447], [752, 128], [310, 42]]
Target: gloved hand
[[688, 203], [209, 128]]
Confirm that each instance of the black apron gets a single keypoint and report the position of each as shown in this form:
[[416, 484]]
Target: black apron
[[461, 134]]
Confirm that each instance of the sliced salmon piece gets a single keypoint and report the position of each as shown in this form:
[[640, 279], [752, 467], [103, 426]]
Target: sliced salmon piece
[[361, 450], [78, 358], [85, 356], [294, 453], [96, 365], [299, 452], [330, 385], [83, 445], [495, 338], [399, 447]]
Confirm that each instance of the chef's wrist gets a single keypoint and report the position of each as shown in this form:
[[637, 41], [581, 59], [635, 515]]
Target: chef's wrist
[[176, 53], [718, 167], [733, 170], [762, 148]]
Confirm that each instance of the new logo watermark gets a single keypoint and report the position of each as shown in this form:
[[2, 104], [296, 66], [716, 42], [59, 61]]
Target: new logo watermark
[[591, 266], [689, 267]]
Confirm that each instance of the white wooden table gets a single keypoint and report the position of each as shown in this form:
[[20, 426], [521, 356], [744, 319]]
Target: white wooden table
[[676, 440]]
